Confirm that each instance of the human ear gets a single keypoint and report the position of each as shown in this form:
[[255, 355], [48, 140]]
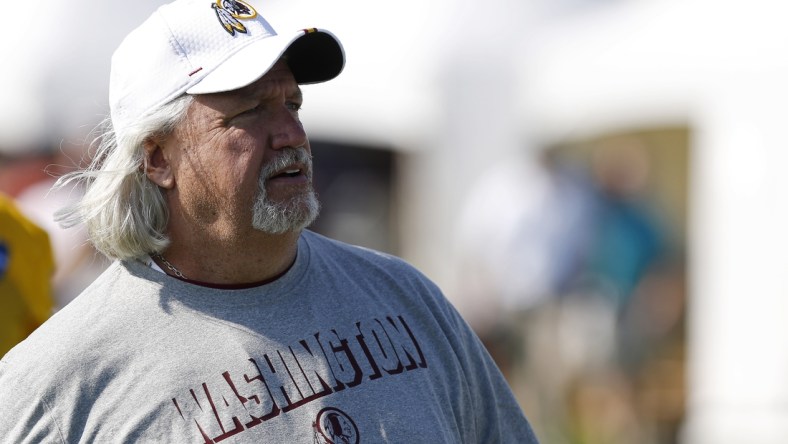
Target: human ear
[[157, 167]]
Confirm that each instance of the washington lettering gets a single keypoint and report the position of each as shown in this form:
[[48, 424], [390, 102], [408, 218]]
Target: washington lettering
[[285, 379]]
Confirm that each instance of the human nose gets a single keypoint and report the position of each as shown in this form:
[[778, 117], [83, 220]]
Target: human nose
[[288, 131]]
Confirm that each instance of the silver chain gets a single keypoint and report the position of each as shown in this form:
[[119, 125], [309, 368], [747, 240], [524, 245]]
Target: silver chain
[[172, 268]]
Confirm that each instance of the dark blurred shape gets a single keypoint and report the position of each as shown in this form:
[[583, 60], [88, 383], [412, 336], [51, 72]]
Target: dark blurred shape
[[356, 188]]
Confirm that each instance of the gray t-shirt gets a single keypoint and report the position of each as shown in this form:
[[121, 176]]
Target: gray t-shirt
[[349, 346]]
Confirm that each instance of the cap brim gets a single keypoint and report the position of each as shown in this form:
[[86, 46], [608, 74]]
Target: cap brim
[[313, 55]]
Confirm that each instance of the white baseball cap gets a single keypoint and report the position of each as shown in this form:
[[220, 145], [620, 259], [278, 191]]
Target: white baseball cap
[[208, 46]]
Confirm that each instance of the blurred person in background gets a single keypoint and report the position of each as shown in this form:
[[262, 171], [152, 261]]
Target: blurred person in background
[[46, 114], [575, 292], [26, 268], [27, 175], [518, 272], [627, 236], [222, 317], [77, 263]]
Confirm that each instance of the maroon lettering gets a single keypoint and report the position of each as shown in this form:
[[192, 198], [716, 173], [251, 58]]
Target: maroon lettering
[[255, 397], [343, 365], [297, 374], [368, 353], [408, 346], [301, 378], [381, 346], [211, 411]]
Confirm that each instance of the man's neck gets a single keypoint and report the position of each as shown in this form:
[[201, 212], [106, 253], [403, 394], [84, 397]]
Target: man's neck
[[245, 259]]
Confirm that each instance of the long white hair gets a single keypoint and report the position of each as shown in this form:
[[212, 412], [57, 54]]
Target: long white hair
[[124, 212]]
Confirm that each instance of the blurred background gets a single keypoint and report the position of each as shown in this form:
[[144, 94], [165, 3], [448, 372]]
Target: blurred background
[[597, 185]]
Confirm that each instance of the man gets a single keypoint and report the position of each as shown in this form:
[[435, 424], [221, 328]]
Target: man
[[222, 318]]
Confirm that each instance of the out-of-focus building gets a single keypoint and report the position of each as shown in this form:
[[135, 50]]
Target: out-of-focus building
[[472, 127]]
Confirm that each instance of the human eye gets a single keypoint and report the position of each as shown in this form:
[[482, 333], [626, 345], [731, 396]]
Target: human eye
[[294, 105], [251, 111], [244, 113], [294, 100]]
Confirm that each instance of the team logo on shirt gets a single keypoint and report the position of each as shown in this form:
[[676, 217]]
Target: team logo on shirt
[[333, 426], [231, 12]]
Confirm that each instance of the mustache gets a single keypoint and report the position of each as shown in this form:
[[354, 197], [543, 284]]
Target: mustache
[[287, 157]]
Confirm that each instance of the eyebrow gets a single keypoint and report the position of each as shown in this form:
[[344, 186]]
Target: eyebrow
[[253, 94], [298, 93], [235, 101]]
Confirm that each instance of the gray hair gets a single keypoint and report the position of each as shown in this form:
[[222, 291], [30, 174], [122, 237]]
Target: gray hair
[[125, 213]]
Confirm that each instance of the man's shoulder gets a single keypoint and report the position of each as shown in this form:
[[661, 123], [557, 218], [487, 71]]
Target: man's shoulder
[[45, 360], [359, 257], [328, 245], [75, 331], [378, 272]]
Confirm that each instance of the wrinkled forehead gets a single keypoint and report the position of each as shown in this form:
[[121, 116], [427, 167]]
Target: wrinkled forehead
[[279, 77], [277, 82]]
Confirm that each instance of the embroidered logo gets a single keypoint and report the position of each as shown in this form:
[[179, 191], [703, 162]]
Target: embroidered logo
[[333, 426], [231, 12]]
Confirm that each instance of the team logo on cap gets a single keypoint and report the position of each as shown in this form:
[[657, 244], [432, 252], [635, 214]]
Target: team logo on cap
[[231, 12]]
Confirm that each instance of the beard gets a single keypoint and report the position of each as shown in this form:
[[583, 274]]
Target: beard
[[295, 213]]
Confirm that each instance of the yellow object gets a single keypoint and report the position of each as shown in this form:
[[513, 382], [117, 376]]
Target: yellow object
[[26, 268]]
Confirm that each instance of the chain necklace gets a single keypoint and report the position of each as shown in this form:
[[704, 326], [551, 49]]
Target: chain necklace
[[172, 268]]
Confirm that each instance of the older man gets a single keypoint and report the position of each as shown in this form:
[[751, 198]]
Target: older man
[[222, 318]]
